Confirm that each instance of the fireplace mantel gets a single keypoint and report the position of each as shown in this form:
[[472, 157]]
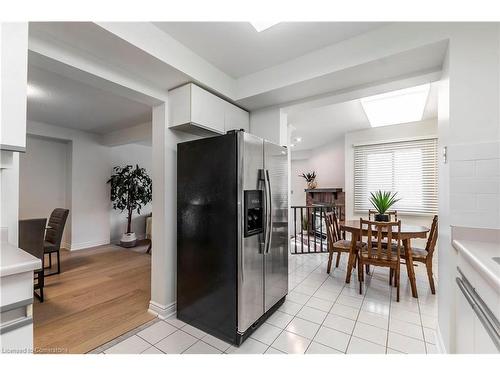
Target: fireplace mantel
[[323, 190], [327, 196]]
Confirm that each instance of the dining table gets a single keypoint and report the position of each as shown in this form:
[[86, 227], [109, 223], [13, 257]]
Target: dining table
[[407, 233]]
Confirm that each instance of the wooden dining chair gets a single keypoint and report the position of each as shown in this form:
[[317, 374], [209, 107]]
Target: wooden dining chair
[[425, 255], [336, 242], [375, 254], [393, 215]]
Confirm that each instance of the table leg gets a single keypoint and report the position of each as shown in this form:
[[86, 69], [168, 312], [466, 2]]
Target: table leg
[[352, 257], [409, 267]]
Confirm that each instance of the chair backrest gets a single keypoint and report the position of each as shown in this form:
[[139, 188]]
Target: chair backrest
[[376, 231], [433, 235], [332, 227], [56, 224], [393, 215], [31, 233]]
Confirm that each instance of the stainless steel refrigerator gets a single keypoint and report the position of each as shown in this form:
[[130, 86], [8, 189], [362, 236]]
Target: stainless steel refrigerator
[[232, 233]]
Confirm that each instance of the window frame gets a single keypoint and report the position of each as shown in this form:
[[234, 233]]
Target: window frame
[[427, 141]]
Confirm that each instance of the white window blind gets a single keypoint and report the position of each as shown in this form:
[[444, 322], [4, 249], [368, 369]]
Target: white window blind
[[408, 168]]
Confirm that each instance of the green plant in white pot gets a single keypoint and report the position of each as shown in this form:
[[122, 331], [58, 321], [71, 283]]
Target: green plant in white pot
[[131, 190], [383, 201]]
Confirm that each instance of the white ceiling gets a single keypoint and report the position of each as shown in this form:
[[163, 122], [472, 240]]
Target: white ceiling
[[93, 40], [322, 125], [65, 102], [238, 49]]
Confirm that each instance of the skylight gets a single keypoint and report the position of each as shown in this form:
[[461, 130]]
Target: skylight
[[396, 107], [263, 25]]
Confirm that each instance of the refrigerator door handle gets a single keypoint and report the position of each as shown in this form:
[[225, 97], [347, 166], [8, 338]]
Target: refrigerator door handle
[[263, 245], [269, 207]]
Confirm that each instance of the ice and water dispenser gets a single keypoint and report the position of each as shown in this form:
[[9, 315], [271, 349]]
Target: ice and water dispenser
[[254, 211]]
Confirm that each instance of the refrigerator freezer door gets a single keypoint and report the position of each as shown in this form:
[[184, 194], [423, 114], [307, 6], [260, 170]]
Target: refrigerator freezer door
[[207, 234], [276, 253], [250, 252]]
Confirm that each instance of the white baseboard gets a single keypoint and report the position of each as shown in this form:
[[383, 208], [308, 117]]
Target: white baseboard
[[65, 245], [86, 245], [439, 342], [162, 311]]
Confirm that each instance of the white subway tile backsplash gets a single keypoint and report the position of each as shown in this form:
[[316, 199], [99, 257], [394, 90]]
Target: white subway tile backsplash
[[475, 185], [463, 201], [462, 168], [487, 168], [487, 202], [475, 219], [474, 151]]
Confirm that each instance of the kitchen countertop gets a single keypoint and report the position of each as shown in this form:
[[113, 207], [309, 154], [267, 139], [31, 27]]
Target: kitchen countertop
[[479, 255], [14, 260]]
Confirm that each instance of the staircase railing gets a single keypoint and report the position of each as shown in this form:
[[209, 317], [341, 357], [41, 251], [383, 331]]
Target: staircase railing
[[309, 228]]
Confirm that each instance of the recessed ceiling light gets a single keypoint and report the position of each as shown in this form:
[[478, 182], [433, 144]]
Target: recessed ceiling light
[[292, 145], [396, 107], [263, 25], [34, 91], [298, 139]]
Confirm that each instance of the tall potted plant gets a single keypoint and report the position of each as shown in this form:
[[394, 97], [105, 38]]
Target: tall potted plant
[[382, 201], [131, 190]]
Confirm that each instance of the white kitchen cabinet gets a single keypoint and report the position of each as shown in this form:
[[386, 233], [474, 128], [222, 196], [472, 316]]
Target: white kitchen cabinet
[[465, 325], [16, 304], [194, 109], [207, 109], [13, 82], [198, 111], [236, 118], [471, 334], [483, 343]]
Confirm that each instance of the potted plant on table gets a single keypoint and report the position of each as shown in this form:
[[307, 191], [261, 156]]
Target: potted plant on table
[[383, 201], [310, 178], [131, 189]]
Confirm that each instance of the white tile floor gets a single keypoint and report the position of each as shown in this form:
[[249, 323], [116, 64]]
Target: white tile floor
[[322, 314]]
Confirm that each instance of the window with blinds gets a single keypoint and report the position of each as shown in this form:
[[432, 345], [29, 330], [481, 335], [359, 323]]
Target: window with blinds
[[408, 168]]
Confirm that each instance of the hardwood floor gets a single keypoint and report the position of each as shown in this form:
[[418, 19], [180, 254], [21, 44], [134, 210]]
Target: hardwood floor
[[100, 294]]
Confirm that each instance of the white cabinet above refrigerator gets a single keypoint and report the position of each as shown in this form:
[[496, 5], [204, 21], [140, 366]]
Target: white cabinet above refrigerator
[[195, 110]]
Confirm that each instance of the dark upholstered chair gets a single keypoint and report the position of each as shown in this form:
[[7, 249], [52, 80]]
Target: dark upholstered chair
[[31, 238], [53, 236]]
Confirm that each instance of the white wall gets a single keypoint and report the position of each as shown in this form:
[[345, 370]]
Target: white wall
[[270, 123], [328, 163], [469, 126], [133, 134], [383, 134], [298, 184], [164, 253], [447, 260], [70, 169], [44, 180], [88, 190], [9, 194], [13, 83], [130, 154]]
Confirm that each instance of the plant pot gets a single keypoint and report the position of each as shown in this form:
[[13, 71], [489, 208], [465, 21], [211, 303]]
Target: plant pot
[[128, 239], [381, 217], [312, 185]]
